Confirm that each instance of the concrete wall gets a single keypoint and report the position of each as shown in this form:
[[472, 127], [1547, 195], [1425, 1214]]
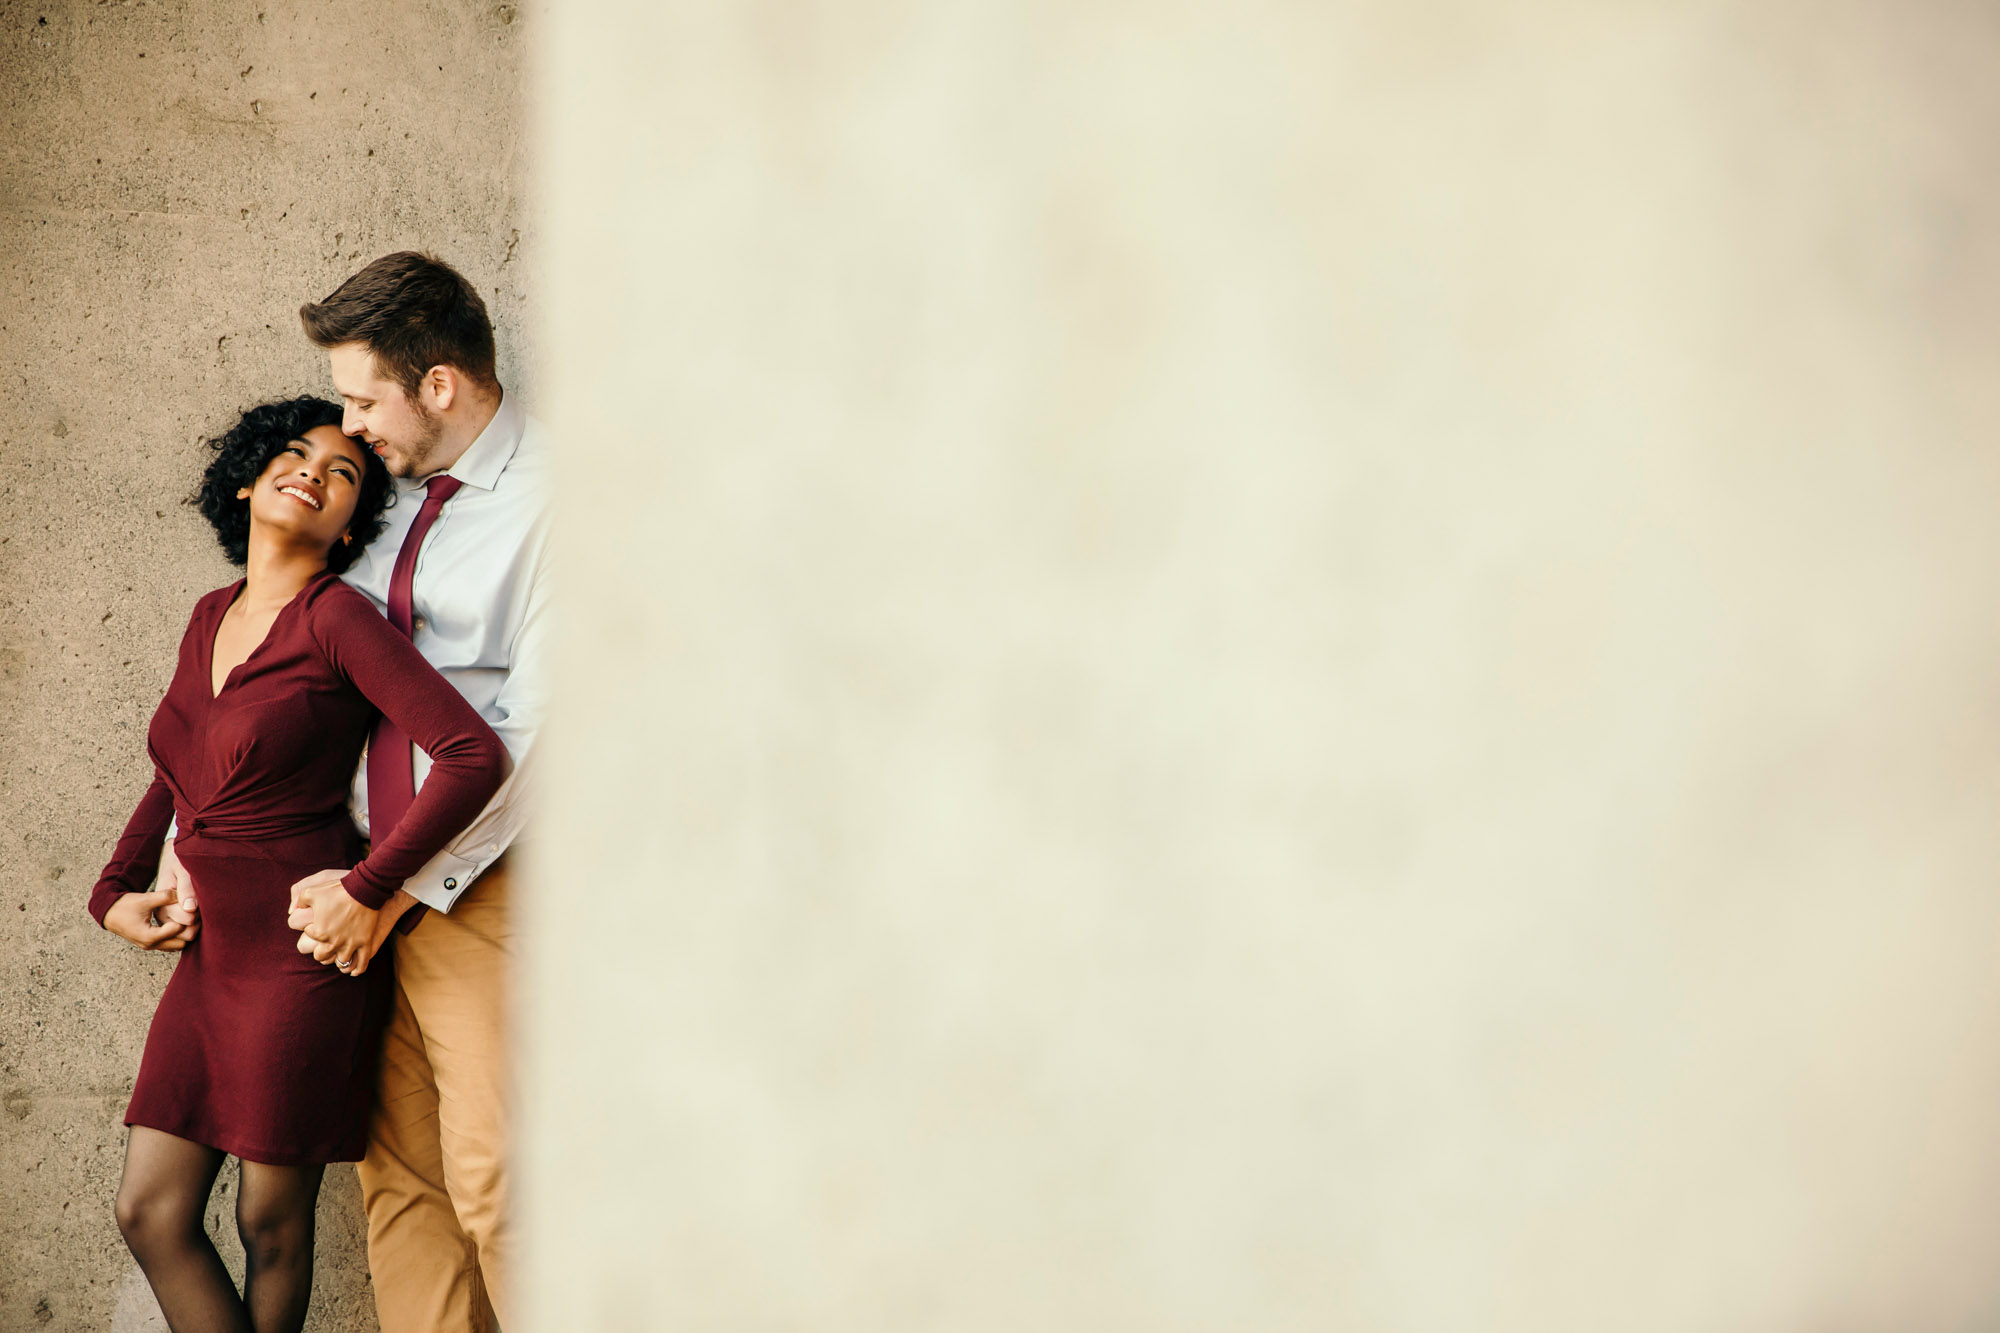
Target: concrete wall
[[1253, 666], [175, 178], [1257, 666]]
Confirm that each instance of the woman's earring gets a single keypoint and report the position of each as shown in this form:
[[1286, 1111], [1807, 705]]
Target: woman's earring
[[347, 539]]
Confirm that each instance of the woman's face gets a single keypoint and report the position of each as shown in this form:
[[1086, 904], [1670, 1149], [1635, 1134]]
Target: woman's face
[[309, 490]]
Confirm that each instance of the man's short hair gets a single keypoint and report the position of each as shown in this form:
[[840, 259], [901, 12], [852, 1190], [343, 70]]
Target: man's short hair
[[413, 311]]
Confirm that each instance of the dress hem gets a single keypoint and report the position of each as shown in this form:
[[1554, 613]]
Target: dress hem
[[235, 1147]]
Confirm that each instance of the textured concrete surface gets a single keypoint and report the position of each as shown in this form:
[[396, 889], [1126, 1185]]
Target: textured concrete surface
[[175, 178], [1273, 666]]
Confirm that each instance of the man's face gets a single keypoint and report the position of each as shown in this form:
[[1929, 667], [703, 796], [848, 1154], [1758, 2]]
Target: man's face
[[394, 424]]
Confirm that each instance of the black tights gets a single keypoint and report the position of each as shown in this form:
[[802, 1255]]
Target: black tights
[[160, 1206]]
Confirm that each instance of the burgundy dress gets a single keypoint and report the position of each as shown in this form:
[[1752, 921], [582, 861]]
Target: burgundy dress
[[256, 1049]]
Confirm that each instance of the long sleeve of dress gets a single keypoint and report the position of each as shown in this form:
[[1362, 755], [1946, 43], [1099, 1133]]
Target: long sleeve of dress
[[136, 861], [468, 762]]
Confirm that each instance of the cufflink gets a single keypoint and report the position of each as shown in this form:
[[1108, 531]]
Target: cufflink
[[451, 883]]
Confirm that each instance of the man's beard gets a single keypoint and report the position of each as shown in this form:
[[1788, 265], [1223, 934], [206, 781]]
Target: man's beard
[[417, 453]]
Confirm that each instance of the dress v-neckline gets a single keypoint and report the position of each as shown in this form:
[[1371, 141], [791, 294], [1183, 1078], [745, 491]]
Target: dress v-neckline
[[215, 692]]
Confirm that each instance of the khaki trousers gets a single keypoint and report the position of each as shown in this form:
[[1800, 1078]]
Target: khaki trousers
[[434, 1181]]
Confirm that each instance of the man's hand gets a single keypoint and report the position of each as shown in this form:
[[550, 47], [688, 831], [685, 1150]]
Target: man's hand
[[174, 879], [386, 919], [335, 928], [131, 917]]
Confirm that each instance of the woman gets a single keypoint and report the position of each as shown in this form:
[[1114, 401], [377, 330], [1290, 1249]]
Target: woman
[[257, 1050]]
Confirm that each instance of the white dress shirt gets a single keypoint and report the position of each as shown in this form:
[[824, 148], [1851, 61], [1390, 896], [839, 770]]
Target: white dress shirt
[[480, 615]]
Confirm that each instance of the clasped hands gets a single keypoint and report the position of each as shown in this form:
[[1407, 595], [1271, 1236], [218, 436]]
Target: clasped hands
[[337, 930], [164, 920], [333, 927]]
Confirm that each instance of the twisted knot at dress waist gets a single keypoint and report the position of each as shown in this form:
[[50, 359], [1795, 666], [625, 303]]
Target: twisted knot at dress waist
[[277, 836]]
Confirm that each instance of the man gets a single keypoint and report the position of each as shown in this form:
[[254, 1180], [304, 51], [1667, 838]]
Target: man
[[463, 568]]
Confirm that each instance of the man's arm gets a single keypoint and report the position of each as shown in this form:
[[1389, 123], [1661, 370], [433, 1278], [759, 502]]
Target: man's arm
[[470, 765], [521, 705], [174, 879]]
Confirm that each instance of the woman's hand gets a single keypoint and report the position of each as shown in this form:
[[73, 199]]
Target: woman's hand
[[131, 917], [329, 922]]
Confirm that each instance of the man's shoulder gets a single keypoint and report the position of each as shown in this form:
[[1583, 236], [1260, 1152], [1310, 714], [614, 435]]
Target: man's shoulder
[[528, 468], [523, 491]]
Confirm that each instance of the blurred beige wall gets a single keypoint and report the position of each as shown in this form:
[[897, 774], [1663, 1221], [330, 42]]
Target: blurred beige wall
[[175, 179], [1271, 666]]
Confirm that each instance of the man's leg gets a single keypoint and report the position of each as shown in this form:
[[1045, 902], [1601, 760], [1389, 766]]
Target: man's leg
[[419, 1259], [453, 973]]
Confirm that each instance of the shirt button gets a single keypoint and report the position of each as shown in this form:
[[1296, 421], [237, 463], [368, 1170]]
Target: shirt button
[[419, 623], [451, 884]]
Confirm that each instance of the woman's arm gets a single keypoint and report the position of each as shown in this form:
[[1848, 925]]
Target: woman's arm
[[120, 900], [468, 762], [136, 859], [126, 896]]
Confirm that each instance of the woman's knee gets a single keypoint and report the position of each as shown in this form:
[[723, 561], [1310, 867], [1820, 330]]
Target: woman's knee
[[132, 1212], [274, 1211], [273, 1232], [150, 1216]]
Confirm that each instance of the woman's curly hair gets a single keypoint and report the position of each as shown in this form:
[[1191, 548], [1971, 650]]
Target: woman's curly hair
[[241, 453]]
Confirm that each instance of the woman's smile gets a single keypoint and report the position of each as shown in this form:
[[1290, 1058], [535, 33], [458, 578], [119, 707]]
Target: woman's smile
[[301, 494]]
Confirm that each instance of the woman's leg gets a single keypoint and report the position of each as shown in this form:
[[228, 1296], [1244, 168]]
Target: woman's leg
[[274, 1216], [160, 1205]]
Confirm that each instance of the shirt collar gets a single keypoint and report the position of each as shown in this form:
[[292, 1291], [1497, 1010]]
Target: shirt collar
[[487, 457]]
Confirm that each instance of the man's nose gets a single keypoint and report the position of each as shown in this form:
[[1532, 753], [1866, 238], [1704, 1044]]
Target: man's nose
[[350, 422]]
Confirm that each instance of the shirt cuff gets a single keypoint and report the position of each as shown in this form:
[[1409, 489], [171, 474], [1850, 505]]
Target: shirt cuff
[[444, 881]]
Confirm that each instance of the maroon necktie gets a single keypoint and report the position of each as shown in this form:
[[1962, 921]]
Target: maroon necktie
[[392, 781]]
